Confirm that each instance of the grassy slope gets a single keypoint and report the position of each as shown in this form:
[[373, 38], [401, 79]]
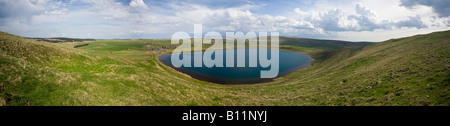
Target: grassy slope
[[408, 71], [319, 44]]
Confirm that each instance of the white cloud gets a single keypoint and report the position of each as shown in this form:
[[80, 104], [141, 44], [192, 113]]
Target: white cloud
[[148, 19], [363, 19], [138, 4], [137, 31]]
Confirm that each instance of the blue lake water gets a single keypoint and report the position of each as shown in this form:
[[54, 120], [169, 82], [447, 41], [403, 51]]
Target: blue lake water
[[288, 62]]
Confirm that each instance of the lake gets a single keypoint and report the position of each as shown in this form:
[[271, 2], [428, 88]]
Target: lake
[[288, 62]]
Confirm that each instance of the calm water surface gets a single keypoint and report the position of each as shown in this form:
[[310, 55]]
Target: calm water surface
[[289, 62]]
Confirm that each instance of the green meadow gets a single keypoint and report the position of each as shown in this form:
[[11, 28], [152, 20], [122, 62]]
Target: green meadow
[[405, 71]]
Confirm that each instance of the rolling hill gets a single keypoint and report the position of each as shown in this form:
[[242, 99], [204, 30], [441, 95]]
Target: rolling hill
[[405, 71], [321, 44], [61, 39]]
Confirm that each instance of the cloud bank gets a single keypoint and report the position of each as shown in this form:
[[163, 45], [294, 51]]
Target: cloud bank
[[108, 19], [441, 7]]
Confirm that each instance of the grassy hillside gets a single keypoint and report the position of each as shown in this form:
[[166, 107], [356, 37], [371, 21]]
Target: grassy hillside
[[319, 44], [406, 71]]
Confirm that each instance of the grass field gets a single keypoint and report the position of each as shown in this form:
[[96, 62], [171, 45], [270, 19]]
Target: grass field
[[406, 71]]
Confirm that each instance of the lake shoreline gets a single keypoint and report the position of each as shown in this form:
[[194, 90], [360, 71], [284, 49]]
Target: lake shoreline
[[164, 59]]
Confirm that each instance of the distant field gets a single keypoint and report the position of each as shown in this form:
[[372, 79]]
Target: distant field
[[406, 71], [61, 39]]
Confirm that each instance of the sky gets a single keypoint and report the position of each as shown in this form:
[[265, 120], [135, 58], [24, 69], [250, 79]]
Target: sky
[[349, 20]]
